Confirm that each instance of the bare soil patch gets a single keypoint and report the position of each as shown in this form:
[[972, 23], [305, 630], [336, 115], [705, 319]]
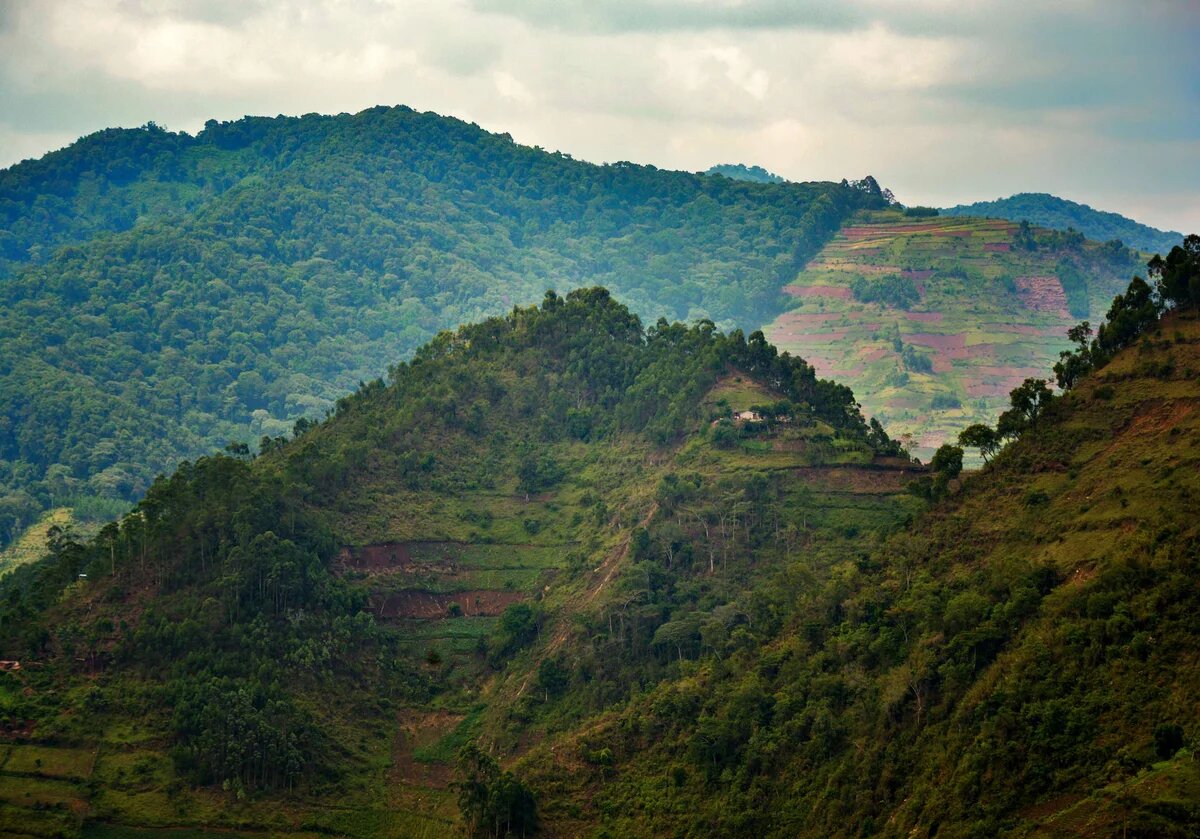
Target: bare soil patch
[[837, 292], [1043, 294], [416, 729], [428, 605]]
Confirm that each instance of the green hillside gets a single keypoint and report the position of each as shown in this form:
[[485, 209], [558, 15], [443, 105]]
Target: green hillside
[[932, 321], [563, 574], [164, 294], [1060, 214], [329, 622], [1020, 661]]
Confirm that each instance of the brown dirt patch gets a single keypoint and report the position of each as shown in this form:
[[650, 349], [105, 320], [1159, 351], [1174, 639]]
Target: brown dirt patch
[[937, 341], [428, 605], [1043, 294], [997, 247], [837, 292], [417, 729], [1156, 420], [923, 317]]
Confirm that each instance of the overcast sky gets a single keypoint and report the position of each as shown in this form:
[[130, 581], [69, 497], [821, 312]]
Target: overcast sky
[[944, 101]]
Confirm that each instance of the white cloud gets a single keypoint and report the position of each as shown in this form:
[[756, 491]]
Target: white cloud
[[943, 101]]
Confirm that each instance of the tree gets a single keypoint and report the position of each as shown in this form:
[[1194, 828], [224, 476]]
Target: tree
[[494, 804], [982, 437], [1073, 365], [1031, 398], [1178, 275], [947, 461]]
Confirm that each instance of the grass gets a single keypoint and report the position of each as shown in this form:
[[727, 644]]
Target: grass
[[31, 544], [445, 749], [50, 761]]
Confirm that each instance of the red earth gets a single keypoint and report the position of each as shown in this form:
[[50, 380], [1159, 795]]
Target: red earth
[[428, 605]]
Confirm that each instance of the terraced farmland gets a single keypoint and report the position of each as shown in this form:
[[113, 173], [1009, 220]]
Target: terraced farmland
[[933, 321]]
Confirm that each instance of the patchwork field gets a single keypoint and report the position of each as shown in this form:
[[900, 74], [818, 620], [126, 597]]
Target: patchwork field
[[933, 321]]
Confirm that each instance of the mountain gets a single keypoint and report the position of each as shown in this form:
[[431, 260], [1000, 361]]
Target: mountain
[[330, 621], [933, 321], [162, 294], [635, 582], [742, 172], [1060, 214]]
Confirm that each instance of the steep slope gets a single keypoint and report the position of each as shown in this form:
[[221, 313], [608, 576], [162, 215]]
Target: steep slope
[[165, 294], [1060, 214], [301, 642], [933, 321], [1020, 661]]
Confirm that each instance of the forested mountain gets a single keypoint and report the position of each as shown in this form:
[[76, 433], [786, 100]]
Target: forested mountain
[[313, 619], [564, 574], [1060, 214], [162, 294]]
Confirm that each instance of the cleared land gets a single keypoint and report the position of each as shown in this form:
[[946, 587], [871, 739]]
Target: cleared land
[[976, 313]]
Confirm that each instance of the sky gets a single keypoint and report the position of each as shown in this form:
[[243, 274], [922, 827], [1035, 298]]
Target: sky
[[943, 101]]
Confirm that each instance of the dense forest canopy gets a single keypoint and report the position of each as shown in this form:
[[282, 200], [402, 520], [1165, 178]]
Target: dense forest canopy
[[1060, 214], [164, 294]]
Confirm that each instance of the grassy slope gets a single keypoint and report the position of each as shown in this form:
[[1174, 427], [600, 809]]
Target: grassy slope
[[982, 337], [1051, 733]]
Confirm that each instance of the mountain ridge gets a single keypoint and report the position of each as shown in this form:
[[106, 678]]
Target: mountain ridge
[[1056, 213]]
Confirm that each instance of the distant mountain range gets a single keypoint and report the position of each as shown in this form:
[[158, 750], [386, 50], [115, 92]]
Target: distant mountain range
[[1057, 213]]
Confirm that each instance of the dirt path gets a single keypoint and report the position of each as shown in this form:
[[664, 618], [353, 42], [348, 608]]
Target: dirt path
[[609, 568]]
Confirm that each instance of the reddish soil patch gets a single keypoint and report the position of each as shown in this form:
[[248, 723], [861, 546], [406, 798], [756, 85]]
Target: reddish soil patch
[[385, 557], [937, 341], [874, 354], [923, 317], [997, 247], [837, 292], [1156, 420], [415, 730], [1043, 294], [428, 605], [868, 231], [917, 275]]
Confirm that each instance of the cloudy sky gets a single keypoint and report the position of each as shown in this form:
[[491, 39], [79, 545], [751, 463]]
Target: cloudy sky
[[944, 101]]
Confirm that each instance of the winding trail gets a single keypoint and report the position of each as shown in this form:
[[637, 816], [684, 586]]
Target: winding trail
[[609, 568]]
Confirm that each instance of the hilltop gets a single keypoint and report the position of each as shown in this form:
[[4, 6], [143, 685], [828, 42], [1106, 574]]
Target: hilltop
[[1056, 213], [165, 294], [330, 621], [932, 321]]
